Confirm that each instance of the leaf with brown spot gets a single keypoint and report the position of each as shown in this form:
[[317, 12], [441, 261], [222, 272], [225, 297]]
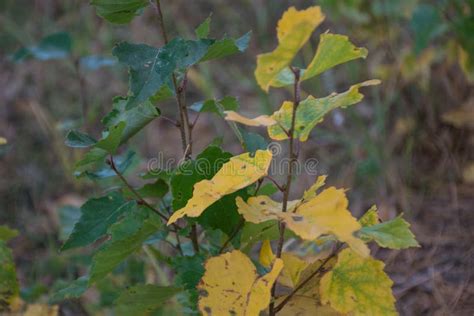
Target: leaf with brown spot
[[231, 285]]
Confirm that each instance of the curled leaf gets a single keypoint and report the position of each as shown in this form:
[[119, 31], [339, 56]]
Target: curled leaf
[[262, 120], [293, 31]]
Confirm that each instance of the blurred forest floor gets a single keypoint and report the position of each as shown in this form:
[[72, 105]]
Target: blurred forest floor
[[408, 147]]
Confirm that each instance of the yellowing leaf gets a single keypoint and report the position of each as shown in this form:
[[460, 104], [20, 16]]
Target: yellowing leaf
[[293, 266], [358, 286], [239, 172], [231, 286], [326, 213], [294, 29], [300, 305], [394, 234], [371, 217], [262, 120], [261, 208], [307, 300], [333, 49], [266, 256], [311, 111], [3, 141], [311, 192]]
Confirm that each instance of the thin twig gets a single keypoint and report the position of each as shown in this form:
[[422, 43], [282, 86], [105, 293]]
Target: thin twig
[[241, 223], [279, 187], [305, 281], [184, 124], [232, 236], [292, 158], [140, 199]]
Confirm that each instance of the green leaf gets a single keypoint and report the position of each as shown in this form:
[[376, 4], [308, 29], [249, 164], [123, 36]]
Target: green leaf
[[126, 237], [54, 46], [6, 233], [111, 141], [189, 270], [73, 290], [157, 189], [311, 111], [205, 166], [253, 141], [119, 11], [223, 214], [95, 155], [136, 118], [202, 31], [78, 139], [358, 286], [394, 234], [252, 233], [151, 68], [68, 216], [226, 47], [228, 103], [122, 163], [143, 299], [333, 50], [97, 215], [9, 288]]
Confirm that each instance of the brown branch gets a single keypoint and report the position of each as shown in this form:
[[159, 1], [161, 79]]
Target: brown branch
[[305, 281], [292, 158], [279, 187], [140, 199], [184, 124]]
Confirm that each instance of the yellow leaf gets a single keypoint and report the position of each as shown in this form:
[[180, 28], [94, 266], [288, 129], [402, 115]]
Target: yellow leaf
[[231, 286], [311, 192], [239, 172], [294, 29], [3, 141], [41, 310], [307, 300], [302, 305], [325, 213], [261, 208], [371, 217], [266, 256], [358, 286], [311, 111], [333, 50], [262, 120], [292, 265]]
